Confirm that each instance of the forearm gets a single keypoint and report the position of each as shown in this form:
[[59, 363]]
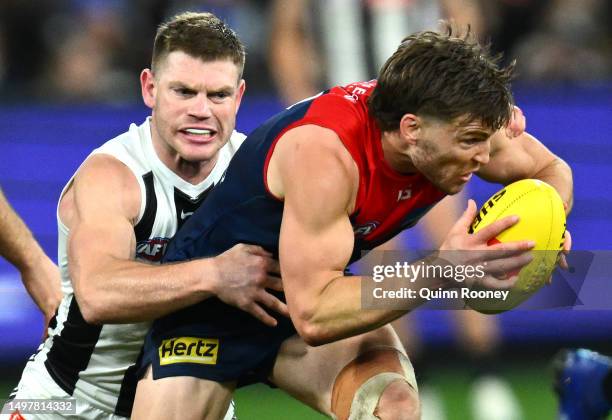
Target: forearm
[[42, 281], [291, 49], [525, 157], [339, 309], [39, 274], [17, 244], [559, 175], [129, 291], [339, 313]]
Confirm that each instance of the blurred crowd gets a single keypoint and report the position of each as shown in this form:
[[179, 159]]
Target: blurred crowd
[[93, 50]]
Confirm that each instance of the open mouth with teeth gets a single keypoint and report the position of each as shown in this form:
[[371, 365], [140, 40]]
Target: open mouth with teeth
[[199, 134]]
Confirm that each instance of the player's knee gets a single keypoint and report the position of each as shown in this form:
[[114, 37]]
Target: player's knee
[[379, 384], [399, 401]]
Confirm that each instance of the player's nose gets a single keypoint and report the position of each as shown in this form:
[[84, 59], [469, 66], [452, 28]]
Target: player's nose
[[483, 153], [200, 107]]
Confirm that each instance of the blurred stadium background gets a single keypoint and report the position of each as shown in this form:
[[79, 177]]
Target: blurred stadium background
[[69, 81]]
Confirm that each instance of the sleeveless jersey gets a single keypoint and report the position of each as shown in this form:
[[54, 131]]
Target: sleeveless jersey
[[96, 363], [242, 210]]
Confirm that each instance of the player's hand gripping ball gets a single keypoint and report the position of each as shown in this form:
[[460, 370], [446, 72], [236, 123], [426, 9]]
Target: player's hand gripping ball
[[541, 219]]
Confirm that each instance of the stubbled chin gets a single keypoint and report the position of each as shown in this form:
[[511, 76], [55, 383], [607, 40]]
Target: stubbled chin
[[456, 189], [201, 152], [197, 158], [451, 189]]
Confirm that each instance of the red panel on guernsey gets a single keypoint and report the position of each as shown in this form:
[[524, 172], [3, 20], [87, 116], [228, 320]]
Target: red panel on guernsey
[[385, 197]]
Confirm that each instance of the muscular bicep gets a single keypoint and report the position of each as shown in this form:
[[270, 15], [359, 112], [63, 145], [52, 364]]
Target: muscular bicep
[[313, 250], [514, 159], [104, 201], [316, 238]]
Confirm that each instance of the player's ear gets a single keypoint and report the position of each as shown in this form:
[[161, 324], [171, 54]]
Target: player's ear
[[239, 93], [148, 87], [409, 128]]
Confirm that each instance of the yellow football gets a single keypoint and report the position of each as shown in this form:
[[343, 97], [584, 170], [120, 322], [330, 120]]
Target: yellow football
[[541, 219]]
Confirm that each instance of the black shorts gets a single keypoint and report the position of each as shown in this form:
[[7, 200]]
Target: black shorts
[[214, 341]]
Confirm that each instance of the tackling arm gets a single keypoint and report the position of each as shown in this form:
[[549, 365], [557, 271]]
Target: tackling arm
[[111, 287]]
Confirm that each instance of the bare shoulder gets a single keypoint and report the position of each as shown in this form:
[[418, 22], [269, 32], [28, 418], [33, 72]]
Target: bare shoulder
[[316, 146], [102, 184], [314, 153]]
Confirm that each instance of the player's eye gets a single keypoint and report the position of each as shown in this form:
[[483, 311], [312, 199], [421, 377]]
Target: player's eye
[[219, 96], [182, 91], [472, 141]]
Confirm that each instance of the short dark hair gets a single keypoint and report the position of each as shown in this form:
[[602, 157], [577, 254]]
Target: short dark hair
[[445, 76], [201, 35]]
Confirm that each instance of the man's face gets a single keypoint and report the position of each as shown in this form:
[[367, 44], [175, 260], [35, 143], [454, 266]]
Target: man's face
[[194, 106], [448, 153]]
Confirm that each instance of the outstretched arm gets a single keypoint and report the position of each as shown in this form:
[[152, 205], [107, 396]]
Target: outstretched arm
[[39, 274]]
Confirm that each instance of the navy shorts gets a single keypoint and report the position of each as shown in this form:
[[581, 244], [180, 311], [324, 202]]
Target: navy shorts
[[214, 341]]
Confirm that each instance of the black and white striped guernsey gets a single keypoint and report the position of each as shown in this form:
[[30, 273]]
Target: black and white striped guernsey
[[95, 362]]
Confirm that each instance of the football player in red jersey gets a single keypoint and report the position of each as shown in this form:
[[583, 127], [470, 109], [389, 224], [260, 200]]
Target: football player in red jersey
[[331, 176]]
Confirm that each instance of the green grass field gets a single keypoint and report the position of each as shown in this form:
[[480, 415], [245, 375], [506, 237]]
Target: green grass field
[[530, 381]]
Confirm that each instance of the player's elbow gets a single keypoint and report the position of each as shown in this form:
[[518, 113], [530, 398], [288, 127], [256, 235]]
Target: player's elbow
[[311, 322], [312, 333], [89, 304], [91, 312]]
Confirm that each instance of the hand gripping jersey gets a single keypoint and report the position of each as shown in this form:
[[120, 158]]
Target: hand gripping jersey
[[96, 363], [242, 210]]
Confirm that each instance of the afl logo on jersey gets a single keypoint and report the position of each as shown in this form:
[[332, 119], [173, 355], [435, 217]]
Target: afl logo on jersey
[[151, 249], [365, 229]]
